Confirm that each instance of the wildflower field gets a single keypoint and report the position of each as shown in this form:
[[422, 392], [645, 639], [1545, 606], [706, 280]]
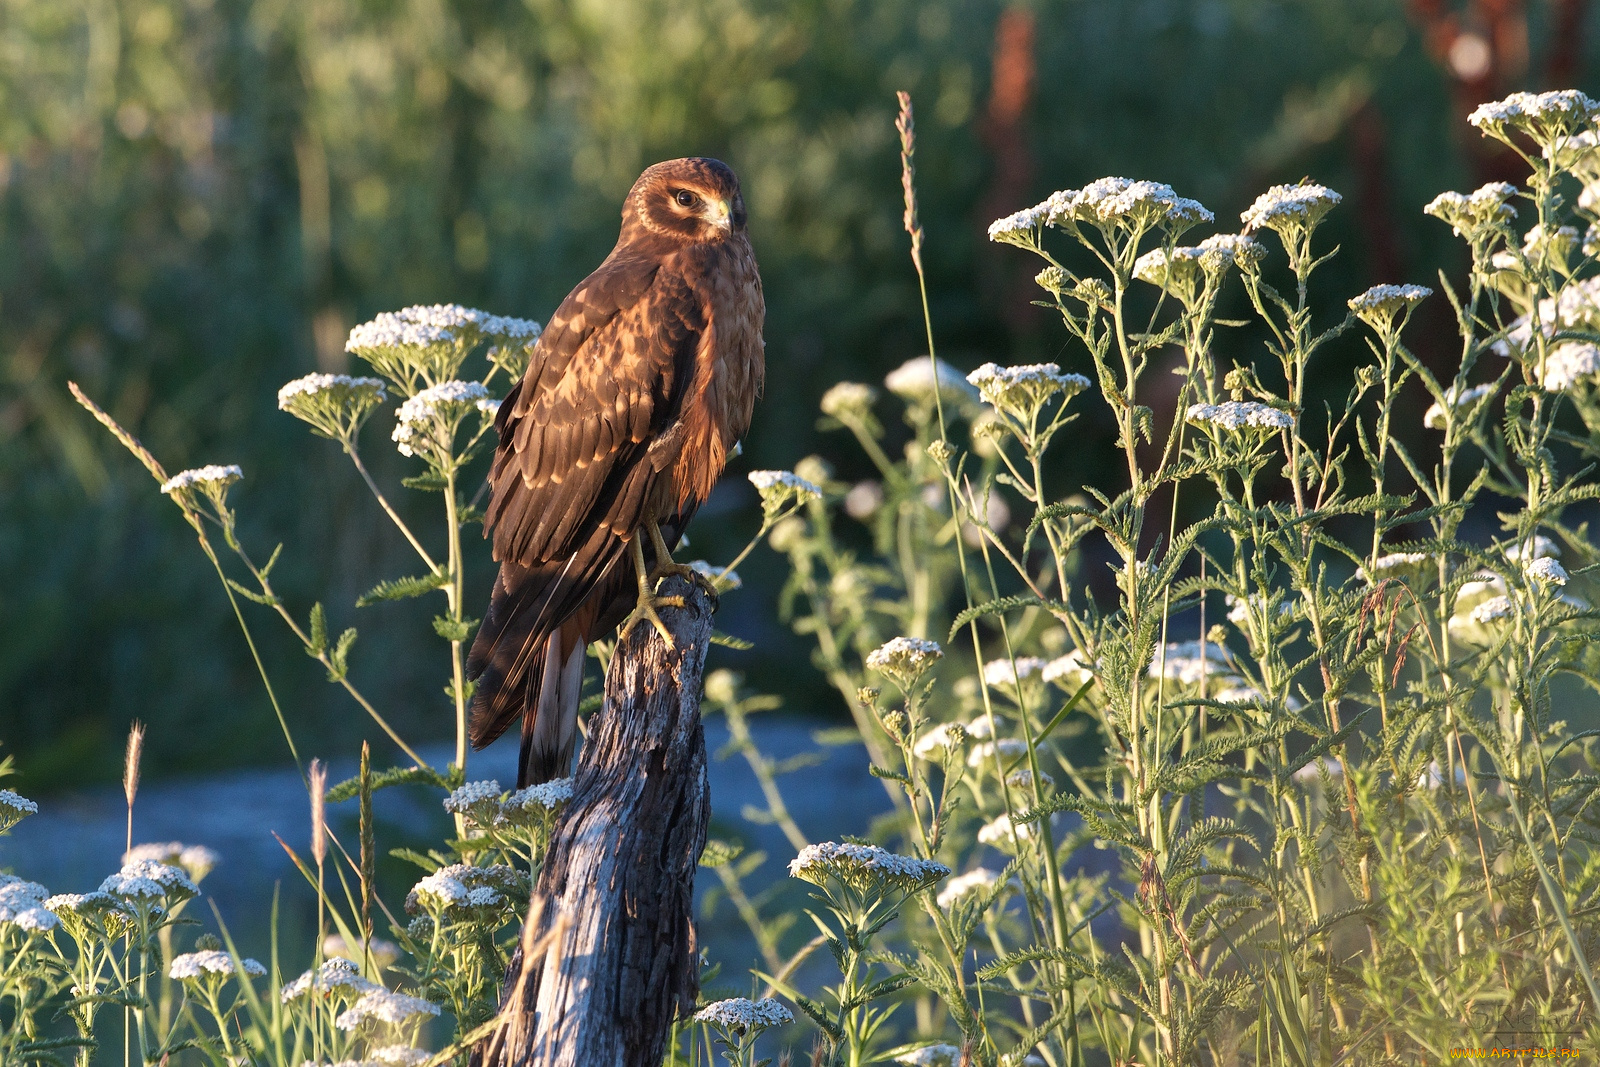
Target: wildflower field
[[1332, 745]]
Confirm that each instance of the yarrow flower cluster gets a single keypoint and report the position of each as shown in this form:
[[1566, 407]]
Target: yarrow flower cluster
[[1390, 565], [428, 420], [1239, 415], [999, 832], [1189, 661], [1009, 748], [938, 740], [23, 905], [534, 804], [334, 405], [401, 1056], [905, 659], [380, 1005], [961, 885], [1567, 364], [1288, 209], [1548, 118], [428, 324], [779, 489], [915, 380], [196, 860], [1069, 671], [337, 975], [14, 807], [1469, 214], [932, 1056], [85, 914], [1020, 391], [848, 400], [1240, 611], [464, 892], [1170, 268], [865, 867], [212, 480], [209, 964], [741, 1014], [1546, 570], [1001, 673], [146, 880], [1135, 205], [1242, 250], [1378, 306], [1435, 418], [480, 801]]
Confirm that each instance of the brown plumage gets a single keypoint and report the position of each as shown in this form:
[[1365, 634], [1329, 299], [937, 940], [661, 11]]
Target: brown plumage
[[640, 385]]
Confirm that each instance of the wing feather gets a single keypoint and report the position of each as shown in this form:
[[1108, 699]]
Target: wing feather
[[618, 354]]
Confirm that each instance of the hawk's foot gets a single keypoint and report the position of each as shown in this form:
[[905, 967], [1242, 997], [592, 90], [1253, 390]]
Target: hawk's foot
[[645, 610], [665, 564]]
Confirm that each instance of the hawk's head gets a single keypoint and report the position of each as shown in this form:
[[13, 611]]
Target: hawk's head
[[692, 199]]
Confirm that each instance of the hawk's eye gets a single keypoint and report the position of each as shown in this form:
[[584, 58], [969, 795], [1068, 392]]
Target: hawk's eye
[[685, 198]]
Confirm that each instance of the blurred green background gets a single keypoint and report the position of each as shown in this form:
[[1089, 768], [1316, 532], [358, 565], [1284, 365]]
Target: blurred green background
[[198, 198]]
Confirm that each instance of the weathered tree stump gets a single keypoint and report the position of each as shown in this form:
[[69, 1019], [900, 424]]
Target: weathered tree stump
[[608, 949]]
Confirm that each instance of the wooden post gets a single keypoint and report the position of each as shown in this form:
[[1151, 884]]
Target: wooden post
[[608, 956]]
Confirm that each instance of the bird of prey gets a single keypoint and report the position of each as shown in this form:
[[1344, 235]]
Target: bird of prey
[[639, 388]]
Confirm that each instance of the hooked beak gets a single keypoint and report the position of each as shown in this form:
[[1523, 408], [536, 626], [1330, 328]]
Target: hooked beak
[[720, 214]]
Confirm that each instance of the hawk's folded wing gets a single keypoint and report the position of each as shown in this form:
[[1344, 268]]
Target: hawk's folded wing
[[606, 380]]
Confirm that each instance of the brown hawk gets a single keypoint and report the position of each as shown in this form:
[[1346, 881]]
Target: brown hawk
[[640, 386]]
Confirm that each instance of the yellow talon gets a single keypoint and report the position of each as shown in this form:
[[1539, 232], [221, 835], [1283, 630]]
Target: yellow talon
[[665, 564], [648, 601]]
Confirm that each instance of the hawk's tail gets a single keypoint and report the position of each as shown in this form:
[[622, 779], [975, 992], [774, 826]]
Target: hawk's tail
[[527, 659]]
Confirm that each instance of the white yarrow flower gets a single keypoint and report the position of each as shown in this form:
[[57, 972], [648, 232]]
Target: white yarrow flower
[[199, 965], [779, 489], [863, 866], [1284, 207], [741, 1014], [1002, 673], [905, 658], [1378, 306], [1567, 364], [1496, 607], [14, 807], [208, 478], [961, 885], [1547, 117], [1434, 419], [915, 379], [24, 904], [464, 798], [1020, 228], [384, 1006], [1546, 570], [315, 384], [997, 832], [982, 754], [147, 879], [1069, 671], [932, 1056], [335, 975], [1386, 565], [1020, 390], [1240, 415], [1189, 661], [401, 1056], [1539, 546], [933, 744]]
